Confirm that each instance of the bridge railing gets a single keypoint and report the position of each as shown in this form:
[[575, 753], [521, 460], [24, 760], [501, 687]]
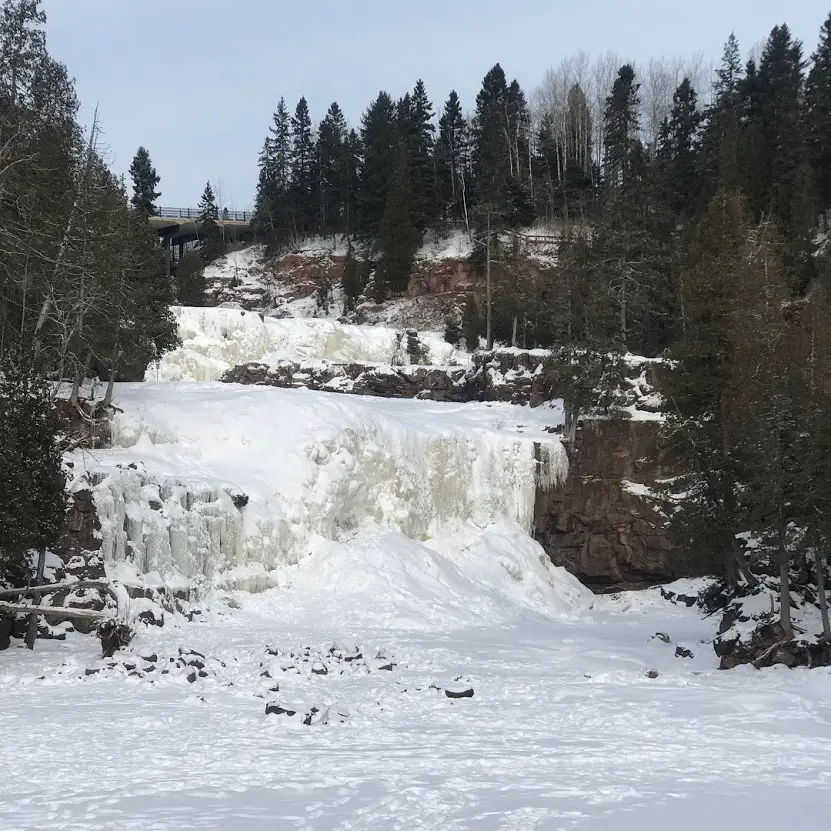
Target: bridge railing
[[193, 213]]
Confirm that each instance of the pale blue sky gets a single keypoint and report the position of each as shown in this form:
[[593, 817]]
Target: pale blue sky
[[196, 81]]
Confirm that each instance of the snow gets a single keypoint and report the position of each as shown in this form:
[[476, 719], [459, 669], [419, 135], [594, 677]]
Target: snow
[[564, 731], [438, 247], [312, 465], [216, 339]]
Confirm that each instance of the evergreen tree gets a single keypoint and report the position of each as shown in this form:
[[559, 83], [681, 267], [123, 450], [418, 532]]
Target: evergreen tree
[[421, 146], [398, 235], [190, 280], [32, 485], [780, 171], [352, 154], [491, 159], [333, 170], [211, 244], [452, 160], [145, 179], [677, 156], [818, 106], [705, 420], [621, 122], [303, 187], [272, 212], [379, 140]]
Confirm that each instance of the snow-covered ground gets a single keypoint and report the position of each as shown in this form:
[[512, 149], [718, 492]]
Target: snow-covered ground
[[214, 340], [564, 731]]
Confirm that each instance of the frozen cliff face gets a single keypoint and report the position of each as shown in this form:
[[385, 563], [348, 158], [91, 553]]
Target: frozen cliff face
[[210, 479], [214, 340]]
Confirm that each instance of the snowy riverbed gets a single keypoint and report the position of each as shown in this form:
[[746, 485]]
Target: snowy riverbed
[[565, 731]]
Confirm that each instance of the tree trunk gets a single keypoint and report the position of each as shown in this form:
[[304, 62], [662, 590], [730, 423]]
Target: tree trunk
[[488, 285], [823, 602], [32, 628]]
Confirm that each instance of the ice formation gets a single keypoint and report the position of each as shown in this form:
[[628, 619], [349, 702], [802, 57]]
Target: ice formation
[[210, 479], [215, 339]]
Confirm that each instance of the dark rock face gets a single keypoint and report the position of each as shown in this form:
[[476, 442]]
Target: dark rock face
[[593, 525]]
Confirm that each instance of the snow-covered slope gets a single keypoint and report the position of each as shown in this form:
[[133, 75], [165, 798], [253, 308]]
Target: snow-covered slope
[[310, 465], [214, 340]]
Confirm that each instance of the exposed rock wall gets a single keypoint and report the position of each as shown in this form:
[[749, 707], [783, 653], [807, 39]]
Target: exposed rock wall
[[599, 524]]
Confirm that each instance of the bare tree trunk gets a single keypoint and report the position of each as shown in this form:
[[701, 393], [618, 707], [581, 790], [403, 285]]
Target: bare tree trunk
[[784, 590], [488, 285], [819, 564], [513, 336], [32, 628]]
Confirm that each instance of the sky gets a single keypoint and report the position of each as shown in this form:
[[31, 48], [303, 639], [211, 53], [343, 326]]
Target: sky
[[196, 81]]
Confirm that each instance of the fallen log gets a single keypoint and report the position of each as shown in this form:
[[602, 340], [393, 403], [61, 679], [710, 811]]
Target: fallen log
[[103, 585], [54, 611]]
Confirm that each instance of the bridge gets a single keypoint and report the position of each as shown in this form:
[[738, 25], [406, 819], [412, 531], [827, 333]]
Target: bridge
[[179, 226]]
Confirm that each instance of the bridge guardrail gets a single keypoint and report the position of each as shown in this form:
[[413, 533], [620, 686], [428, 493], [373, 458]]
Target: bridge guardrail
[[193, 213]]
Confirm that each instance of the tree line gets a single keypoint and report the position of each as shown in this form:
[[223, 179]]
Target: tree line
[[84, 289]]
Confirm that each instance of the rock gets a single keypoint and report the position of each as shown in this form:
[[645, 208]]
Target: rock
[[652, 673], [682, 652], [192, 676], [113, 636], [275, 709], [387, 668], [6, 629], [661, 636], [459, 693], [149, 618], [319, 668], [89, 672]]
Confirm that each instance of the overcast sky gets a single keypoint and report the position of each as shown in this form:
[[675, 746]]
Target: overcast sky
[[196, 81]]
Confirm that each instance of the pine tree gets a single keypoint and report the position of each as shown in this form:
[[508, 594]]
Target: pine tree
[[303, 186], [211, 244], [190, 280], [677, 156], [452, 160], [398, 235], [780, 172], [705, 421], [422, 174], [818, 107], [621, 127], [332, 166], [145, 179], [32, 485], [272, 212], [719, 154], [491, 158], [379, 140]]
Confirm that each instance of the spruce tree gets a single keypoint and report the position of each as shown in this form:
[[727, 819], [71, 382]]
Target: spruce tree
[[398, 235], [677, 156], [379, 140], [705, 420], [422, 174], [818, 109], [491, 161], [303, 186], [145, 179], [190, 280], [211, 244], [272, 212], [621, 125], [332, 166], [452, 153], [32, 485]]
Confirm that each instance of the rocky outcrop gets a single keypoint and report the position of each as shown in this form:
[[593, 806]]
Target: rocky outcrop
[[381, 380], [600, 523]]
